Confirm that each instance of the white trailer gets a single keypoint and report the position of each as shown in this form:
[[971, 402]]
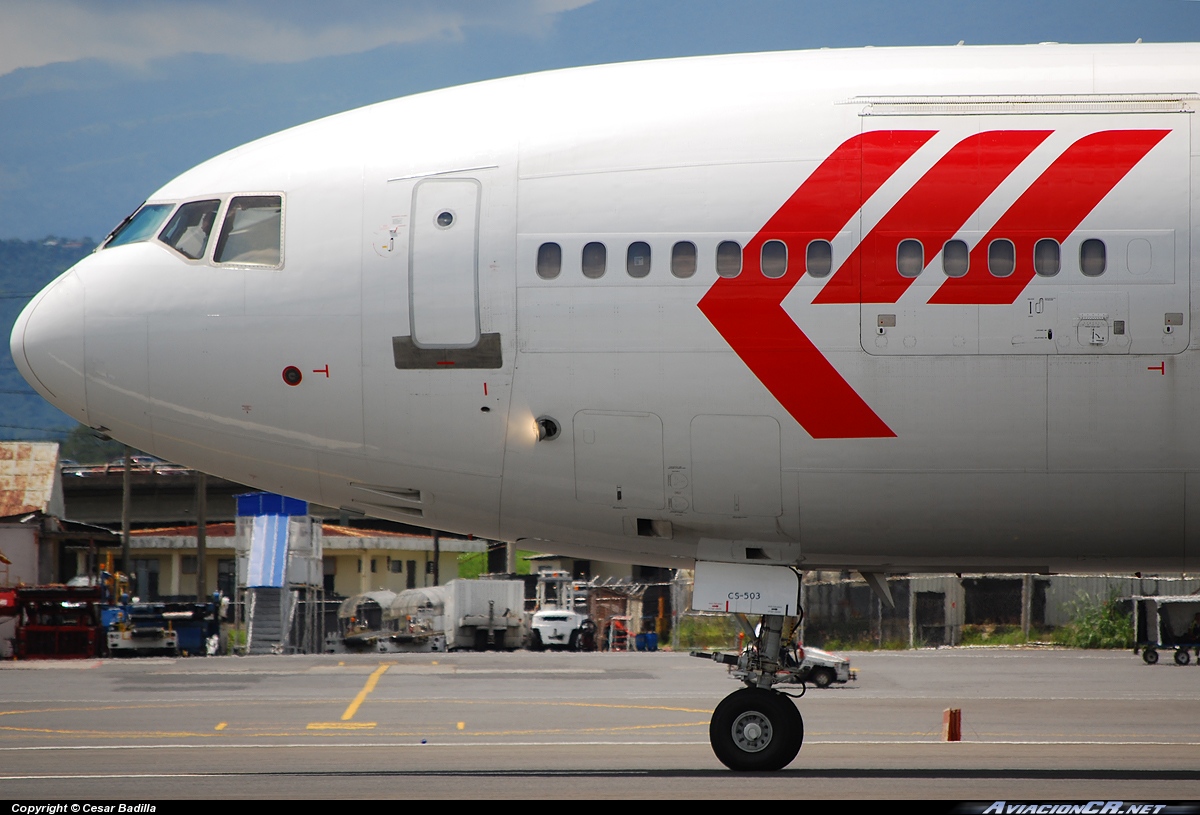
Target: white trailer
[[486, 614], [467, 614]]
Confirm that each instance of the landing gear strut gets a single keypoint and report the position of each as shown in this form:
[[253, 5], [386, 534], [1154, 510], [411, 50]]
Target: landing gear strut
[[757, 727]]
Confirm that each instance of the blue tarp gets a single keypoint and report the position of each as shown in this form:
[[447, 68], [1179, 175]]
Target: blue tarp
[[268, 551], [269, 537], [268, 503]]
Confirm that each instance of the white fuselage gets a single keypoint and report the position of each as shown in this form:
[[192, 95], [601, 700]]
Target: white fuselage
[[885, 385]]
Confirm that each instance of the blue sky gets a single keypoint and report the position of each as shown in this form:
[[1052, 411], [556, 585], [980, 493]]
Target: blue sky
[[102, 102]]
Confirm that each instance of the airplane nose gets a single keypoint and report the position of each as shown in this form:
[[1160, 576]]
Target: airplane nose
[[47, 345]]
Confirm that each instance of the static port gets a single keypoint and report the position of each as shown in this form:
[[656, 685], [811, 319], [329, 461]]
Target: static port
[[292, 375]]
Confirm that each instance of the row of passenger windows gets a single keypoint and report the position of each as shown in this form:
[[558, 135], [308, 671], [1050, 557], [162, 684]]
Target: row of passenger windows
[[594, 261], [250, 234], [818, 258], [1002, 258]]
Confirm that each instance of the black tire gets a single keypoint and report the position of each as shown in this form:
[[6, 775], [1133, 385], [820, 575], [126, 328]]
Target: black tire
[[1150, 656], [535, 641], [823, 677], [1182, 657], [573, 644], [756, 730]]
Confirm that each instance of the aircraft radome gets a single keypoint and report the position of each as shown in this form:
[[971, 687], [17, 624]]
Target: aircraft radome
[[891, 310]]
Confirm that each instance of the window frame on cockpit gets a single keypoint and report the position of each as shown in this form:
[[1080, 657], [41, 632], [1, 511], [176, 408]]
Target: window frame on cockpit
[[206, 249], [221, 236]]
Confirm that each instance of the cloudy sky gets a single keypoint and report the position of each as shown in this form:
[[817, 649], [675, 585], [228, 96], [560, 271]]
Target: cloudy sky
[[102, 102]]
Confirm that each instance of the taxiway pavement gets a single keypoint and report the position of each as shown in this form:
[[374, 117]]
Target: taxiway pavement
[[1055, 724]]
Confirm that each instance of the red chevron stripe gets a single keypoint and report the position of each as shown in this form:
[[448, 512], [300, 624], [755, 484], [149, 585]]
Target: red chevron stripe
[[932, 211], [746, 309], [1053, 206]]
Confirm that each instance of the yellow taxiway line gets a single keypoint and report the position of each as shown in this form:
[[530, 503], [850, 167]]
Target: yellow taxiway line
[[345, 723]]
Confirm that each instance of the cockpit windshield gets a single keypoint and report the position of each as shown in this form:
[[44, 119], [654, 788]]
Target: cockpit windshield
[[140, 226]]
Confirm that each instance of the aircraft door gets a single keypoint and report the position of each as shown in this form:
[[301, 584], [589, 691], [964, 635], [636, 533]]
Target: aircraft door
[[438, 342], [443, 263]]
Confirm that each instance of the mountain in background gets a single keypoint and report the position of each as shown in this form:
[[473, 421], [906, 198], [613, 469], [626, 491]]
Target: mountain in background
[[25, 268]]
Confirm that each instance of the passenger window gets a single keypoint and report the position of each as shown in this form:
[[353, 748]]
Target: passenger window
[[910, 258], [729, 259], [774, 259], [595, 257], [1002, 257], [683, 259], [1047, 257], [188, 230], [818, 259], [252, 232], [549, 261], [140, 226], [637, 259], [1093, 258], [956, 259]]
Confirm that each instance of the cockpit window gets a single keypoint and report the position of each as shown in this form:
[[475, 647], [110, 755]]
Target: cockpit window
[[140, 226], [252, 231], [187, 232]]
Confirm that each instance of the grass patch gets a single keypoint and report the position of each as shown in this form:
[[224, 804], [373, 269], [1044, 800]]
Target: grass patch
[[235, 640], [859, 644], [997, 635]]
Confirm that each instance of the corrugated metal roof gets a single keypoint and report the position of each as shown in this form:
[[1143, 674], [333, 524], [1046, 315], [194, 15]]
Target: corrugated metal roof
[[228, 530], [29, 480], [336, 539], [353, 532], [217, 530]]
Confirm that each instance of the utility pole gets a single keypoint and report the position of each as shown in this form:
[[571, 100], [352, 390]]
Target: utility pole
[[201, 537], [437, 559], [126, 479]]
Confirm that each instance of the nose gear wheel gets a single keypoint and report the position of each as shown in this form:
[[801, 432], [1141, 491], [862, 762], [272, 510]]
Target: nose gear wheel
[[755, 729]]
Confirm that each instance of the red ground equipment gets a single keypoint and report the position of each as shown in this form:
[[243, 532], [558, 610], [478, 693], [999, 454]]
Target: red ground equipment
[[58, 622]]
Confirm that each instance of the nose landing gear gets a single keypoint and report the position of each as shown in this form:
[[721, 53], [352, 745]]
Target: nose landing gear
[[757, 728]]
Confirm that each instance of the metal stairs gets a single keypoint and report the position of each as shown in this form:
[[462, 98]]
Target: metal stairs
[[266, 632]]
